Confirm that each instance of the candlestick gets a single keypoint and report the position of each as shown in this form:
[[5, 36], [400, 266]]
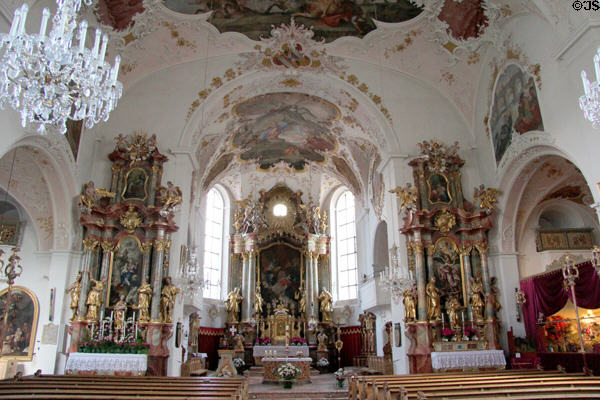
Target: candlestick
[[93, 325]]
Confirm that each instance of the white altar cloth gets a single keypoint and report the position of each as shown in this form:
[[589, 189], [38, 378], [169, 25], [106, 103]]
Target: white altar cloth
[[107, 363], [287, 359], [280, 351], [445, 360]]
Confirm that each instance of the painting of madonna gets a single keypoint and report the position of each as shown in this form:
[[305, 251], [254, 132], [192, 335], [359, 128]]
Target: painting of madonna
[[20, 324]]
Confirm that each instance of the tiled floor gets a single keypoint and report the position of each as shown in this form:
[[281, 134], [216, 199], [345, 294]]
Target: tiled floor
[[321, 387]]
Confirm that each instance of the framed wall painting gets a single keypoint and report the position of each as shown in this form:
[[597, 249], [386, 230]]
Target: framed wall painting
[[23, 312], [135, 185], [439, 190], [125, 271]]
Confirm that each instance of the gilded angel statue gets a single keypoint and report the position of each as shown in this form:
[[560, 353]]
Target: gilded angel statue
[[486, 197], [407, 196]]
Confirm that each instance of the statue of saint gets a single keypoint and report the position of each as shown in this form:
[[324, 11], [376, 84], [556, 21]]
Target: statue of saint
[[453, 306], [322, 339], [144, 296], [94, 299], [193, 333], [120, 309], [167, 300], [234, 298], [75, 290], [434, 310], [326, 306], [296, 327], [476, 299], [410, 304], [258, 302]]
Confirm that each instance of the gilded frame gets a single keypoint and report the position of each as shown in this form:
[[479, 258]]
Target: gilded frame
[[111, 266], [447, 187], [125, 184], [34, 322]]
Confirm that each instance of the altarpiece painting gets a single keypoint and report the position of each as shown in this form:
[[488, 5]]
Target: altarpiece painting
[[126, 271], [280, 274], [22, 318], [447, 268]]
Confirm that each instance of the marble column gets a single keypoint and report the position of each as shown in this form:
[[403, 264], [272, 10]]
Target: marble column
[[465, 252], [249, 285], [315, 276], [146, 251], [485, 276], [245, 287], [90, 247], [156, 169], [421, 279], [107, 255], [310, 301], [160, 244], [430, 249]]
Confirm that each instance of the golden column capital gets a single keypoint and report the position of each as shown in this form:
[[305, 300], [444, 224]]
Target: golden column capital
[[482, 248], [146, 247], [107, 246], [465, 250], [417, 247], [89, 243], [162, 244]]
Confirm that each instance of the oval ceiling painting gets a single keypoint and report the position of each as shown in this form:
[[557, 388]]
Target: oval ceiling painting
[[329, 19], [291, 127]]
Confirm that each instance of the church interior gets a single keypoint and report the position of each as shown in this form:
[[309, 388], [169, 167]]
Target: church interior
[[291, 191]]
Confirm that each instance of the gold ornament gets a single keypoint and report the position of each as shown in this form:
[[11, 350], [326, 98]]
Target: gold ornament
[[407, 196], [90, 244], [482, 247], [130, 219], [107, 246], [162, 244], [146, 247], [486, 198], [445, 221]]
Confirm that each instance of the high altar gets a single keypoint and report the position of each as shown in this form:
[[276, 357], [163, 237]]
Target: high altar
[[281, 295], [453, 306]]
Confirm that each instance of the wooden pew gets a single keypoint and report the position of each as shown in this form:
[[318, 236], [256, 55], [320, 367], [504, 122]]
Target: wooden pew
[[123, 388]]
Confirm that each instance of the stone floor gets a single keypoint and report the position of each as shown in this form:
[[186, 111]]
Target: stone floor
[[321, 387]]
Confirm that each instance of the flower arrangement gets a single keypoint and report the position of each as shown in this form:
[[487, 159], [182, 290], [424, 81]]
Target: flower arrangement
[[470, 332], [298, 341], [264, 342], [323, 362], [108, 346], [238, 363], [448, 333], [340, 376], [288, 371]]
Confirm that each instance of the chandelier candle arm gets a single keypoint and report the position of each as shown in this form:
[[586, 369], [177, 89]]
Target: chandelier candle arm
[[590, 101], [48, 78]]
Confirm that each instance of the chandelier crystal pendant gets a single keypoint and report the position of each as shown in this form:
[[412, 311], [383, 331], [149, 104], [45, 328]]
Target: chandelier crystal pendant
[[590, 101], [395, 278], [50, 78]]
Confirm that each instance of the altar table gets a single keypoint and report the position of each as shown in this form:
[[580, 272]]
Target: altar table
[[106, 364], [467, 360], [258, 352], [270, 365]]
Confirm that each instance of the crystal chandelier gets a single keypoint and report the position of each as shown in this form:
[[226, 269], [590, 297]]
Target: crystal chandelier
[[190, 278], [394, 278], [49, 79], [590, 101]]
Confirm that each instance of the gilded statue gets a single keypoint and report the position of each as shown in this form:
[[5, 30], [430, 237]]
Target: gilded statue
[[258, 301], [234, 298], [453, 306], [167, 300], [88, 197], [296, 328], [486, 198], [476, 298], [120, 309], [434, 310], [410, 304], [171, 197], [144, 296], [75, 290], [407, 196], [94, 299], [326, 306], [238, 343], [301, 298], [264, 329]]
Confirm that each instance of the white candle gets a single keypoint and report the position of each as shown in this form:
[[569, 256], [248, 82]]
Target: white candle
[[44, 24]]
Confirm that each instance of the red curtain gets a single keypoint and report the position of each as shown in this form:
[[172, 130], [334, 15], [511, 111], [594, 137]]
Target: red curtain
[[208, 342], [547, 294], [350, 336]]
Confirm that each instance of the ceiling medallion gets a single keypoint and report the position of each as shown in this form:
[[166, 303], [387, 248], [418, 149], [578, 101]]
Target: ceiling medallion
[[445, 221]]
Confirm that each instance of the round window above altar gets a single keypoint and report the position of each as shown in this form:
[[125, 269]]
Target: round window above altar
[[280, 210]]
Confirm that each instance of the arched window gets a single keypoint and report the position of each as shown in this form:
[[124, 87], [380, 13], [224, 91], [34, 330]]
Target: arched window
[[345, 239], [213, 244]]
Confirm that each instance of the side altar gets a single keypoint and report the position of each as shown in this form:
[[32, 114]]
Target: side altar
[[122, 297], [280, 288], [452, 306]]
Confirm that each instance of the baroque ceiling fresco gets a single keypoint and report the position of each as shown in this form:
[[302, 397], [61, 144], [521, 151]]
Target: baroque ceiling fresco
[[330, 19]]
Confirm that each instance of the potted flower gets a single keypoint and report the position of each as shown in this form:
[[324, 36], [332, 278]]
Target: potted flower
[[239, 364], [448, 334], [340, 376], [322, 364], [471, 333], [288, 372], [298, 341]]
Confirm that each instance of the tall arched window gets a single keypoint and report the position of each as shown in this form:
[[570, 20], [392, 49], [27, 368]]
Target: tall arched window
[[345, 239], [213, 244]]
